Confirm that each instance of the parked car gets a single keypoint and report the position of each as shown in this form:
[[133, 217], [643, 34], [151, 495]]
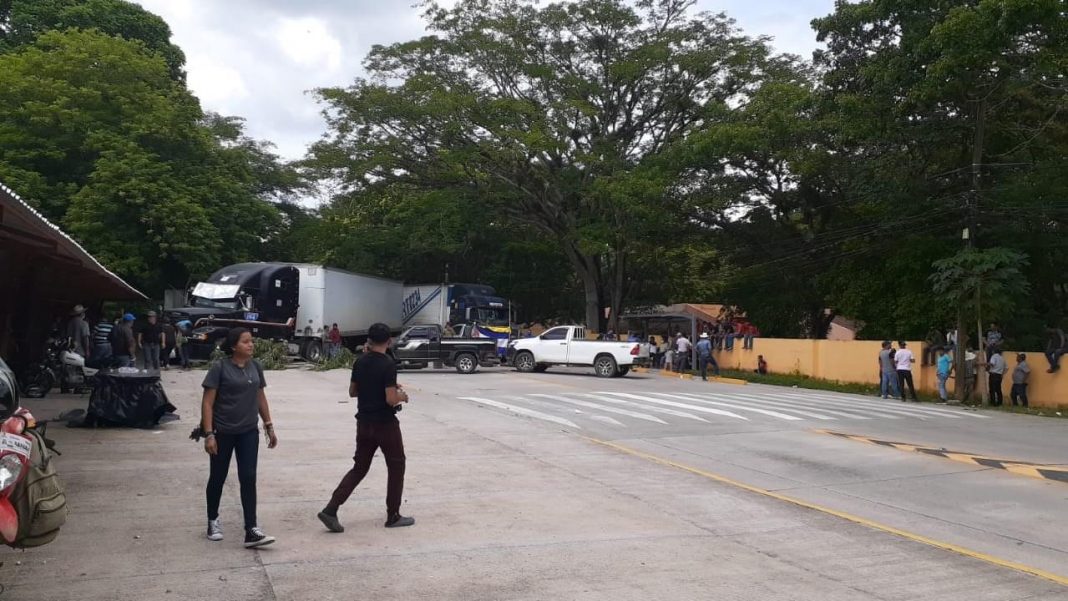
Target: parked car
[[567, 345], [421, 346]]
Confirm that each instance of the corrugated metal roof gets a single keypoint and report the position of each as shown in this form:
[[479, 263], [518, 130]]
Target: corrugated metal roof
[[71, 246]]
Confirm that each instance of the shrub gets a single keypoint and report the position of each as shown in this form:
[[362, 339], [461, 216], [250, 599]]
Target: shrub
[[343, 360]]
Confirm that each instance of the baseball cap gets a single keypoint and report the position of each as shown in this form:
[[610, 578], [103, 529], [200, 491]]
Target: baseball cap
[[128, 317]]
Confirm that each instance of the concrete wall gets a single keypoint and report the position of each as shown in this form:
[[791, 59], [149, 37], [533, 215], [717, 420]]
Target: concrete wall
[[857, 361]]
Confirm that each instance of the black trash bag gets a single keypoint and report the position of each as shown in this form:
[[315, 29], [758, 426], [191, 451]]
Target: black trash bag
[[133, 400]]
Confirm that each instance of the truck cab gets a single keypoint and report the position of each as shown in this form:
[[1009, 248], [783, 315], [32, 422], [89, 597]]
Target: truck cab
[[418, 347]]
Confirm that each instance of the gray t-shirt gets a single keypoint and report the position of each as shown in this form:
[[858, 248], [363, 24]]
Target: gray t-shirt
[[236, 408], [1020, 373], [886, 361]]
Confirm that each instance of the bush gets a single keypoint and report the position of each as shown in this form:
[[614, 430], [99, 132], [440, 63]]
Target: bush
[[343, 360], [271, 354]]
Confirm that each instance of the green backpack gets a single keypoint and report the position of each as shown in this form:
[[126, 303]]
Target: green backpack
[[38, 499]]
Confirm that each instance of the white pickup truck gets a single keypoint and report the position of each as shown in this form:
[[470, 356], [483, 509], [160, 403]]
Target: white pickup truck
[[567, 345]]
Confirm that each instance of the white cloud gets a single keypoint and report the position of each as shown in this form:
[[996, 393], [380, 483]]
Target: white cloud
[[307, 41], [258, 58]]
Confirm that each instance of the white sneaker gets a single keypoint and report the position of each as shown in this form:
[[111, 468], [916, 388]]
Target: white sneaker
[[215, 530]]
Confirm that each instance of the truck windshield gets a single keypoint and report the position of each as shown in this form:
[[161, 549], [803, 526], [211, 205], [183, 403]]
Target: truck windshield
[[492, 316], [208, 303]]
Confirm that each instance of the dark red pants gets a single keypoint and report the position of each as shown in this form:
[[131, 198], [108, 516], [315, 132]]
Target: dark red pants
[[369, 438]]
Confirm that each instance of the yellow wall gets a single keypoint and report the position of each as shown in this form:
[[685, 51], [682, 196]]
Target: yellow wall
[[857, 361]]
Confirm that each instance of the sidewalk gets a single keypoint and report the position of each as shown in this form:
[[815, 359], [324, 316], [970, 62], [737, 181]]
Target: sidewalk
[[505, 509]]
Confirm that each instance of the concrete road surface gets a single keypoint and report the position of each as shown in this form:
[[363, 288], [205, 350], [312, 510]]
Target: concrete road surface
[[567, 486]]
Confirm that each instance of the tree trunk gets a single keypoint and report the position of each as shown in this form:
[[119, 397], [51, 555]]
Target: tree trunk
[[587, 269]]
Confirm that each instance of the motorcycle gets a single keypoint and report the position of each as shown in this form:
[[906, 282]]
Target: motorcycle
[[15, 448], [61, 365]]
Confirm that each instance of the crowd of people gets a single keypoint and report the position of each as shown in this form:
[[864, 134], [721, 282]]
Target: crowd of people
[[122, 342], [674, 352]]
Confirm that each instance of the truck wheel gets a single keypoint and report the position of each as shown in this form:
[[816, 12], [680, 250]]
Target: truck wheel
[[313, 351], [466, 363], [524, 362], [605, 366], [540, 369], [623, 371]]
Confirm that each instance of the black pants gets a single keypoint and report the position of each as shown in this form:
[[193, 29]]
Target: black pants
[[370, 437], [904, 376], [996, 397], [1019, 393], [247, 448], [930, 354], [704, 362]]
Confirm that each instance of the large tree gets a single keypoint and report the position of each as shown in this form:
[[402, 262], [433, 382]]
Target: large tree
[[546, 114]]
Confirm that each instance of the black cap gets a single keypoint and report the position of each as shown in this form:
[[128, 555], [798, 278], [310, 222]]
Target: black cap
[[379, 333]]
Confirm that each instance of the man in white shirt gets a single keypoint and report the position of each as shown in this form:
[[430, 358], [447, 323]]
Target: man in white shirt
[[682, 348], [904, 360]]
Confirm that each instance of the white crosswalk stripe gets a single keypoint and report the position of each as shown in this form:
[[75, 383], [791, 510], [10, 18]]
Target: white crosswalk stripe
[[661, 410], [704, 406], [650, 399], [523, 411], [600, 407], [735, 406], [814, 412]]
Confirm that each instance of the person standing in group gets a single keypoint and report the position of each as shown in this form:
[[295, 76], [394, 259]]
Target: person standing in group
[[903, 360], [682, 348], [1056, 347], [944, 367], [996, 367], [102, 339], [379, 396], [704, 356], [170, 342], [123, 342], [669, 354], [1020, 373], [181, 341], [78, 332], [654, 353], [150, 339], [887, 371], [233, 403], [335, 341]]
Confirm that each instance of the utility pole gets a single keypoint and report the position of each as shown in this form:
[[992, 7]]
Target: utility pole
[[969, 235]]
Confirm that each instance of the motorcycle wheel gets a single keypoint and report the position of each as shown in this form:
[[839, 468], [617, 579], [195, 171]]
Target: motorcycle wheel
[[38, 384]]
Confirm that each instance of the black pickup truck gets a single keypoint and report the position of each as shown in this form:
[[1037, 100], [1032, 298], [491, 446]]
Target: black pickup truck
[[419, 347]]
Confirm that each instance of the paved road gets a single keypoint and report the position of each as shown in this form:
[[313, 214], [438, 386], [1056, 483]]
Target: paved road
[[564, 485]]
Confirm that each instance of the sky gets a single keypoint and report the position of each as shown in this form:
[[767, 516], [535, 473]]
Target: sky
[[259, 59]]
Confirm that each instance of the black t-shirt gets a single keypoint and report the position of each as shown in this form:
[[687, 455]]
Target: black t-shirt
[[373, 373], [150, 333]]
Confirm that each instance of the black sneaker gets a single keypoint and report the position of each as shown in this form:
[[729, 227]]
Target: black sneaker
[[399, 521], [254, 537], [331, 522]]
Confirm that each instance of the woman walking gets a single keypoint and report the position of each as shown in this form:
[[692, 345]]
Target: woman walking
[[233, 402]]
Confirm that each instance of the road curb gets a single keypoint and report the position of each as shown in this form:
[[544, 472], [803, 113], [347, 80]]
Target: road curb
[[1058, 473]]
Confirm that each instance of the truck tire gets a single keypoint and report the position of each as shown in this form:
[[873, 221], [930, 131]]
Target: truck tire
[[541, 368], [623, 371], [524, 362], [605, 366], [466, 363], [312, 351]]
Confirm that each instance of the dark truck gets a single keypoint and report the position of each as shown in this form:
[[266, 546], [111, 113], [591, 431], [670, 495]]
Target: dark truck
[[419, 347]]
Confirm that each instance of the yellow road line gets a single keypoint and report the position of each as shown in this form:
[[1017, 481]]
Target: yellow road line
[[1012, 565]]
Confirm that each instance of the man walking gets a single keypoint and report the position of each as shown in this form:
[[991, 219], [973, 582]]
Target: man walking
[[996, 367], [944, 366], [1019, 381], [704, 356], [887, 371], [150, 339], [374, 384], [903, 360]]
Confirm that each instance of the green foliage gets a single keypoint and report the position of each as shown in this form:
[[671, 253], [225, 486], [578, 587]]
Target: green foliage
[[342, 360], [272, 354], [987, 282]]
